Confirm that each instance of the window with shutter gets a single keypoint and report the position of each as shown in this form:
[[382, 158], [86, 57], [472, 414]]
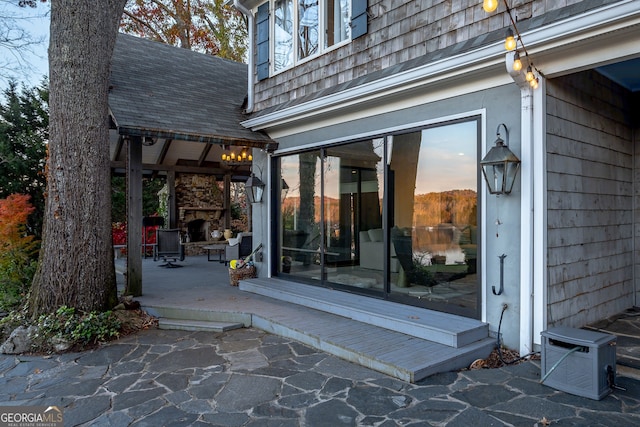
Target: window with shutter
[[262, 42], [301, 29]]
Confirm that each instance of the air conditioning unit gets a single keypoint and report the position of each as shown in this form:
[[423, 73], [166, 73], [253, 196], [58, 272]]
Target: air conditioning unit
[[579, 361]]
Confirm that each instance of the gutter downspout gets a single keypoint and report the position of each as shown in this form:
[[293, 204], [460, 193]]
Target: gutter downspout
[[250, 75], [527, 212]]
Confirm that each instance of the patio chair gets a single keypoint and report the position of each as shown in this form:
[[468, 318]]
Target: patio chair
[[168, 247], [404, 253]]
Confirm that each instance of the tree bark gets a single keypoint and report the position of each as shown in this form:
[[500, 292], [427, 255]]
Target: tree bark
[[76, 260]]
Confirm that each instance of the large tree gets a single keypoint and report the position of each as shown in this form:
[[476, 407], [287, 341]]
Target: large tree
[[76, 259], [207, 26]]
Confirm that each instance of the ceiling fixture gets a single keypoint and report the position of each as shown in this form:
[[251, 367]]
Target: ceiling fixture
[[236, 158]]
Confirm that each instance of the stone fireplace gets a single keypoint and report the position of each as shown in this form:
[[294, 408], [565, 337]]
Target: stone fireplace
[[200, 204]]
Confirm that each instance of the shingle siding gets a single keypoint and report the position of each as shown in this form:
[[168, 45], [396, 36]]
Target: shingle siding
[[399, 31], [590, 181]]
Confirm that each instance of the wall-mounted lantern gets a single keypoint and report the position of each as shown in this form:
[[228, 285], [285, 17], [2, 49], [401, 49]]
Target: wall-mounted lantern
[[254, 188], [500, 166], [284, 189]]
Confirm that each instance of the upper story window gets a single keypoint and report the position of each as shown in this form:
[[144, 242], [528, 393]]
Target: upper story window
[[303, 28], [299, 29]]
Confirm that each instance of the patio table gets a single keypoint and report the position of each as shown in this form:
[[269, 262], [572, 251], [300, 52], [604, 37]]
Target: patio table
[[218, 247]]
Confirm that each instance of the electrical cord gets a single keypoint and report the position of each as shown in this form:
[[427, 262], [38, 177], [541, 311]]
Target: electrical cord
[[499, 343]]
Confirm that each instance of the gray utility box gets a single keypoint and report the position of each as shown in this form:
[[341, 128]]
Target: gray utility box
[[588, 371]]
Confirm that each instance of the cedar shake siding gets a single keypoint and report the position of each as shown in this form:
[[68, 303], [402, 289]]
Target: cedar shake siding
[[403, 32], [590, 179]]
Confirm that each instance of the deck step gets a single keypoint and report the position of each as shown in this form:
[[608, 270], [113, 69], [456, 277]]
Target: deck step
[[396, 354], [443, 328], [182, 313], [197, 325]]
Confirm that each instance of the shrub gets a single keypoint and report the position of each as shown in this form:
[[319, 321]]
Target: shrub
[[77, 329], [17, 251]]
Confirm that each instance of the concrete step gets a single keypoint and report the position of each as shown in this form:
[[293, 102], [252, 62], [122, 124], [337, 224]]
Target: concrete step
[[205, 315], [197, 325], [393, 353], [443, 328]]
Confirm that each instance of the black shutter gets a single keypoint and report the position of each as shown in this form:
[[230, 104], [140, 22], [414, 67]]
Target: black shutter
[[358, 18], [262, 44]]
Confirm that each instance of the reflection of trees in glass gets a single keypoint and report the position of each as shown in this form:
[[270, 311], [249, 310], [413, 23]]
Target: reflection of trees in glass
[[283, 34], [307, 192], [308, 27], [455, 207]]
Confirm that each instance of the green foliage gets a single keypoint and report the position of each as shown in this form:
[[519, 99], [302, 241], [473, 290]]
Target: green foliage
[[24, 133], [11, 322], [421, 274], [78, 329], [150, 197]]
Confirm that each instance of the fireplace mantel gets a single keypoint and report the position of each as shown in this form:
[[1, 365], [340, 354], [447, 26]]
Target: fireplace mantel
[[197, 208], [213, 212]]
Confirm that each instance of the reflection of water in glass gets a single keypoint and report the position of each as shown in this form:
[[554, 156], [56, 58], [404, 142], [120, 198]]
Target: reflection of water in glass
[[453, 256], [431, 241]]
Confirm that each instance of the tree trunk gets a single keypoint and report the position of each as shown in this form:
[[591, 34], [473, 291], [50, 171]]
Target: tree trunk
[[76, 260]]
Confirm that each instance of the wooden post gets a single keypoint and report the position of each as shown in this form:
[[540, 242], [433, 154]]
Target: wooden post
[[171, 205], [134, 217], [227, 200]]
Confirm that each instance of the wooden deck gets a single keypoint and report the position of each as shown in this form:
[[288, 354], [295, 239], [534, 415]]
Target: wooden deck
[[405, 342]]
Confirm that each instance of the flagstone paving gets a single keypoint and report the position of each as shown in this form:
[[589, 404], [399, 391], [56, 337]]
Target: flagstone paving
[[247, 377]]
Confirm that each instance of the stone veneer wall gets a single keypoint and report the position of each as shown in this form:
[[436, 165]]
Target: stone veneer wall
[[399, 30], [590, 199], [199, 197]]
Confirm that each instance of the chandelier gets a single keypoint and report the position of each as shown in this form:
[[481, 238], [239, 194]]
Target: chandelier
[[238, 157]]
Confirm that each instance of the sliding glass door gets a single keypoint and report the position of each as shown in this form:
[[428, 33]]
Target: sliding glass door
[[434, 224], [393, 217]]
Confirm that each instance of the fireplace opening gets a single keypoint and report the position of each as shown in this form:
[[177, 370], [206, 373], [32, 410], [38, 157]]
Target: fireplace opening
[[197, 230]]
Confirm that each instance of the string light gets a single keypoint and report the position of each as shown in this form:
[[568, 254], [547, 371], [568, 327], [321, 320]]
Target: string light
[[511, 43], [529, 76], [490, 5], [517, 63]]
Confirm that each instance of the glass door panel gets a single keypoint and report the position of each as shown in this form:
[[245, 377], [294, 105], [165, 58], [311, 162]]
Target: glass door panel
[[299, 225], [352, 206], [433, 174]]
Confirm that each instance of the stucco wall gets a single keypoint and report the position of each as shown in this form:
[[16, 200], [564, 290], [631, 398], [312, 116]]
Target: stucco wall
[[590, 199], [398, 31], [498, 106]]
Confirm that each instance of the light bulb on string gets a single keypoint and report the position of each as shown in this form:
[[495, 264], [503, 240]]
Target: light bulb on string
[[529, 76], [534, 83], [510, 41], [517, 63], [490, 5]]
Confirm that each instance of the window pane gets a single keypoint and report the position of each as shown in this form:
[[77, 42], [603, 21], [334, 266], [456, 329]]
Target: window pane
[[308, 27], [337, 19], [352, 200], [283, 34], [300, 215], [434, 238]]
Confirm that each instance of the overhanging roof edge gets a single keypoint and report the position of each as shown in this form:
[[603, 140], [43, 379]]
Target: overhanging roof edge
[[268, 145]]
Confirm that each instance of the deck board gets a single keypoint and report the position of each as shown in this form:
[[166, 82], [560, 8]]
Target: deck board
[[448, 329]]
